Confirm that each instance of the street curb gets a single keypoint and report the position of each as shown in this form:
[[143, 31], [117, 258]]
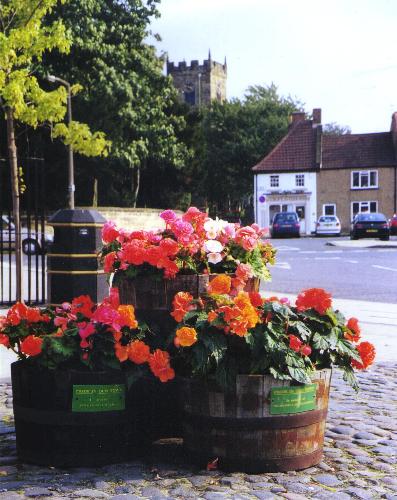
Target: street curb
[[362, 244]]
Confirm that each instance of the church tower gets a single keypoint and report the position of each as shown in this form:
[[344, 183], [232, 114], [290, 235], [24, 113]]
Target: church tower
[[197, 84]]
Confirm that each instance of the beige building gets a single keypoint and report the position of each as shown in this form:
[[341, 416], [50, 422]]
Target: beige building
[[199, 84], [337, 174]]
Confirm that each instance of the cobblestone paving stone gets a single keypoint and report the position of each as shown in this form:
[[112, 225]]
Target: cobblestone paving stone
[[360, 460]]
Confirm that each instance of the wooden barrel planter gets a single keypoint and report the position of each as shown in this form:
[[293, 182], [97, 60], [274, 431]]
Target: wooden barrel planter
[[249, 429], [152, 301], [76, 418]]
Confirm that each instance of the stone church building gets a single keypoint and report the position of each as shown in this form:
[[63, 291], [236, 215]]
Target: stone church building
[[199, 84]]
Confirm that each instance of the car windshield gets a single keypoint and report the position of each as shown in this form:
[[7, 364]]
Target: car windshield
[[371, 218], [327, 219]]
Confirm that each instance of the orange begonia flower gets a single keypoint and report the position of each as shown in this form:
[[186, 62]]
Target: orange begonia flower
[[220, 285], [354, 332], [138, 352], [31, 345], [181, 304], [186, 336], [367, 355], [127, 313], [159, 363], [212, 316], [121, 352]]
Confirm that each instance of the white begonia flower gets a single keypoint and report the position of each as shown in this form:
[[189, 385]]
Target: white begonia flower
[[214, 258], [213, 227], [213, 246]]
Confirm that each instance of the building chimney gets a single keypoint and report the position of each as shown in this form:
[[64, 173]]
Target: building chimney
[[393, 130], [317, 115], [297, 117]]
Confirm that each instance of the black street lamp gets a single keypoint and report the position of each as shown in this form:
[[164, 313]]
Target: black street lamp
[[71, 186]]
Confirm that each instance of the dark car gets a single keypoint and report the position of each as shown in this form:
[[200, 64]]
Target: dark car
[[393, 224], [370, 225], [285, 224]]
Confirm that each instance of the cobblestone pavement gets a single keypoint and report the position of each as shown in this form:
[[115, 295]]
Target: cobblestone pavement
[[360, 460]]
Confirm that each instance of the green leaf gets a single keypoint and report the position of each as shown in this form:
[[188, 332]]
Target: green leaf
[[278, 374], [294, 360], [216, 345], [349, 377], [299, 374], [320, 342]]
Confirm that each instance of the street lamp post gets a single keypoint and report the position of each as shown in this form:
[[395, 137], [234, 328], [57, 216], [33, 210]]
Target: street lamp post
[[71, 186]]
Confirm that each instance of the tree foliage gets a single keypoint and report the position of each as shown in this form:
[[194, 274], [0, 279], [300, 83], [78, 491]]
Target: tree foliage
[[23, 41], [236, 134], [126, 95], [334, 129]]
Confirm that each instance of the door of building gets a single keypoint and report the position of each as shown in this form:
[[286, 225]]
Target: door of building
[[300, 210]]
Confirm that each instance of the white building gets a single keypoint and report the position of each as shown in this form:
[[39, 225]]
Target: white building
[[286, 179]]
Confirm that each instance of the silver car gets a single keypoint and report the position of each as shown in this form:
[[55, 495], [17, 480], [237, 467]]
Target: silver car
[[328, 224], [33, 242]]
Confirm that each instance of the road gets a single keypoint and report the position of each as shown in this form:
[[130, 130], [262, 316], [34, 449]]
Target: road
[[347, 272]]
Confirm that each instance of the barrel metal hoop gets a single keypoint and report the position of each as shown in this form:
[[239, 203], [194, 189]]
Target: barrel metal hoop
[[53, 417], [257, 423]]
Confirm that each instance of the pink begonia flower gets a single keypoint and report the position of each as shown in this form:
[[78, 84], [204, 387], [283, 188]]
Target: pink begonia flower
[[182, 230], [85, 330], [123, 236], [109, 232], [169, 216], [213, 246], [230, 230], [108, 316], [246, 237], [62, 322], [214, 258], [192, 214], [285, 300], [113, 300]]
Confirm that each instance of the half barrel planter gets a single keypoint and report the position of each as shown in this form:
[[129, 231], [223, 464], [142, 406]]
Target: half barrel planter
[[248, 429], [152, 301], [76, 418]]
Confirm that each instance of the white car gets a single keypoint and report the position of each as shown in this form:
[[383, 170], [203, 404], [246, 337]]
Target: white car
[[328, 224], [32, 242]]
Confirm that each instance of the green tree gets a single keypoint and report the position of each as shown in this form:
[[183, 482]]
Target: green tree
[[23, 40], [126, 95], [236, 135], [334, 128]]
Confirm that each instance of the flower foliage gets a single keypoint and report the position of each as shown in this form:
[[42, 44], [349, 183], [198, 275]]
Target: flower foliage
[[190, 244], [83, 335], [228, 332]]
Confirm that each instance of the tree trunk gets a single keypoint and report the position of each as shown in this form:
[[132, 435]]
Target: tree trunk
[[135, 183], [95, 194], [12, 155]]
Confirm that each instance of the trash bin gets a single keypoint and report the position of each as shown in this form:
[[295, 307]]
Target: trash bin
[[73, 267]]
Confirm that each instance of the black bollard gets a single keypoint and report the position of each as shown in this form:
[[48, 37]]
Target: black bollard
[[73, 268]]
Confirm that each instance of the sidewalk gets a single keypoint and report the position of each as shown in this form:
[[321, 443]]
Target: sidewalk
[[378, 322]]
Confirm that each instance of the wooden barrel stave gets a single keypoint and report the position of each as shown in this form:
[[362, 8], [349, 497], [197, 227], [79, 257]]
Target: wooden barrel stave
[[237, 427], [49, 433]]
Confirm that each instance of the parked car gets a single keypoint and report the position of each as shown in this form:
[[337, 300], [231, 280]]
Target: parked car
[[393, 224], [328, 224], [285, 224], [32, 242], [370, 225]]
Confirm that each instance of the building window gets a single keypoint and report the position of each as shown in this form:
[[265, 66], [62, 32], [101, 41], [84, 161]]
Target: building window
[[299, 180], [329, 209], [274, 181], [363, 206], [364, 179]]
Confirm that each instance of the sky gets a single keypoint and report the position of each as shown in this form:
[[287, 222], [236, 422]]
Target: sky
[[337, 55]]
